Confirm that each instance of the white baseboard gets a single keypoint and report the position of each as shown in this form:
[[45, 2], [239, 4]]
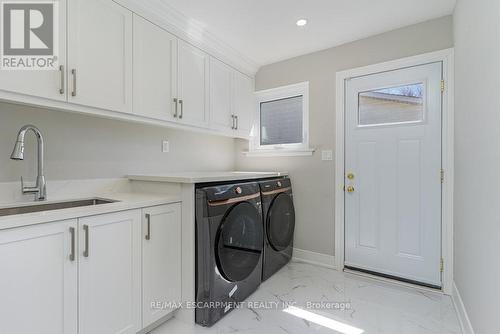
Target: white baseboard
[[319, 259], [461, 311]]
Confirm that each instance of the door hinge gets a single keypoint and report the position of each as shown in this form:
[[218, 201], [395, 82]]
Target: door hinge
[[442, 86], [441, 266], [442, 175]]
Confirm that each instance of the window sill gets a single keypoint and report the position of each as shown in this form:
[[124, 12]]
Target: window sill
[[279, 153]]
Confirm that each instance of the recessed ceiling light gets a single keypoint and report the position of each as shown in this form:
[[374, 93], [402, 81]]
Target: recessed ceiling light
[[301, 22]]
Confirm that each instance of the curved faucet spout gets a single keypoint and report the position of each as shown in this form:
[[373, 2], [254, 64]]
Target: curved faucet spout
[[40, 189]]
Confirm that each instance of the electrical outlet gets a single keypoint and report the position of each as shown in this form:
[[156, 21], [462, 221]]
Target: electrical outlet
[[165, 146], [327, 155]]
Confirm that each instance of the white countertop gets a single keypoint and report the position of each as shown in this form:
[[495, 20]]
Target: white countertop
[[202, 177], [125, 201]]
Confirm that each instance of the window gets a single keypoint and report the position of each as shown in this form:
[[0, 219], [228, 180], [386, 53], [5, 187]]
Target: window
[[394, 105], [282, 122]]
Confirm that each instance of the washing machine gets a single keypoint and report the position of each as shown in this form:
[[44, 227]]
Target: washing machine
[[229, 247], [279, 224]]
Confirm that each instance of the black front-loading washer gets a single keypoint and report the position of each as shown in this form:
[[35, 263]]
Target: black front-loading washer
[[279, 224], [229, 245]]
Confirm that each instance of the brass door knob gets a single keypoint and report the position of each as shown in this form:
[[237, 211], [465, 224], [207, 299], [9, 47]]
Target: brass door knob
[[350, 189]]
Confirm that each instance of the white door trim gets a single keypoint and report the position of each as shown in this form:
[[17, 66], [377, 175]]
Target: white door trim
[[447, 58]]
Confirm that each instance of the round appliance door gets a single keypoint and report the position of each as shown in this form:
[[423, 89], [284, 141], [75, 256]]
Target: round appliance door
[[239, 242], [280, 223]]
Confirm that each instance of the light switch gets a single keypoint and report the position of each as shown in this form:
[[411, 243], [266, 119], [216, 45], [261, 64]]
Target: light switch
[[165, 146], [327, 155]]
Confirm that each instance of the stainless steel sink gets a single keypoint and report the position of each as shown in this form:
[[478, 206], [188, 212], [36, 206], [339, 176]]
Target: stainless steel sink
[[38, 207]]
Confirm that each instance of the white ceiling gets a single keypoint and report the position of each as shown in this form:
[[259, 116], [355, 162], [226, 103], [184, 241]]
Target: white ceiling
[[265, 31]]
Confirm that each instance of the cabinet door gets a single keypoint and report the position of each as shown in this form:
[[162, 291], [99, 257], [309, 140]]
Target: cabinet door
[[221, 92], [155, 70], [38, 280], [161, 260], [100, 51], [41, 83], [244, 103], [193, 85], [109, 273]]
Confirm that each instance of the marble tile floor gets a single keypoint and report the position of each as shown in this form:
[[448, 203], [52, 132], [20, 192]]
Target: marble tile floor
[[303, 298]]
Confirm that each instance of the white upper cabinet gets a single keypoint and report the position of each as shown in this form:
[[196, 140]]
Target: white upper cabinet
[[100, 54], [243, 103], [110, 273], [115, 63], [221, 95], [193, 86], [41, 83], [155, 70], [38, 282], [161, 260], [231, 99]]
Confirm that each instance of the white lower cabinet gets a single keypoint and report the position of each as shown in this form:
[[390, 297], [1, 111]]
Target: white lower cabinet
[[92, 275], [38, 280], [161, 261], [110, 273]]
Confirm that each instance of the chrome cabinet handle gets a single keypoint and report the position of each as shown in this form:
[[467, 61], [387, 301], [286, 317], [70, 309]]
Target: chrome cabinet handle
[[73, 72], [181, 102], [61, 72], [86, 250], [148, 226], [232, 123], [72, 254], [237, 122], [175, 101]]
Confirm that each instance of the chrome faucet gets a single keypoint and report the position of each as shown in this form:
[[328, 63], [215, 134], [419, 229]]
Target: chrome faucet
[[40, 188]]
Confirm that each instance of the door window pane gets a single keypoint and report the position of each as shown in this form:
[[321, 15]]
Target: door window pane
[[401, 104], [281, 121]]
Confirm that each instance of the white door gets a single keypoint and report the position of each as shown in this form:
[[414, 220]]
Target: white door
[[161, 260], [155, 70], [109, 273], [244, 103], [393, 173], [38, 280], [192, 85], [41, 83], [221, 96], [100, 54]]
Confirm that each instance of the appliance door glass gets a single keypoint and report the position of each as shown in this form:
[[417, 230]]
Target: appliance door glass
[[280, 222], [239, 242]]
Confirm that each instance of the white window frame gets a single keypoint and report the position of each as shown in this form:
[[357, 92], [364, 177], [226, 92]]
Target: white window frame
[[279, 93]]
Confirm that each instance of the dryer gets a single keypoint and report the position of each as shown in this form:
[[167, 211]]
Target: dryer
[[279, 224], [229, 247]]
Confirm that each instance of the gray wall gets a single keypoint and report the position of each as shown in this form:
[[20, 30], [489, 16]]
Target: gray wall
[[87, 147], [313, 179], [79, 147], [477, 161]]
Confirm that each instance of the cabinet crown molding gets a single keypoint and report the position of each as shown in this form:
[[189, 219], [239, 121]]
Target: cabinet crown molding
[[170, 19]]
